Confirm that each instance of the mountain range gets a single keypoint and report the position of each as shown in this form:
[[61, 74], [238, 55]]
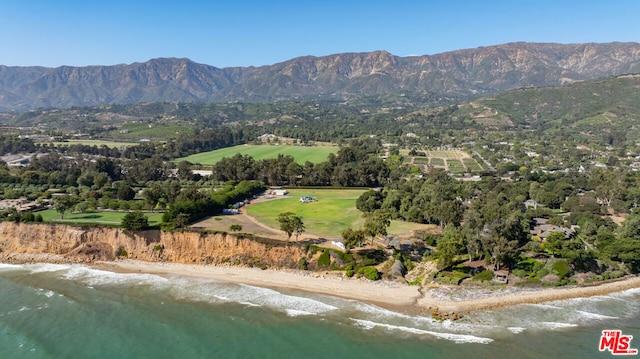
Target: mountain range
[[460, 74]]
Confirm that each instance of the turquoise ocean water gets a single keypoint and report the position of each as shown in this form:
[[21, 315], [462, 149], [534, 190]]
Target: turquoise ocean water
[[73, 311]]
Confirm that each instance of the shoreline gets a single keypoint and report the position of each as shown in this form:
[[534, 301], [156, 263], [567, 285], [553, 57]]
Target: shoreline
[[439, 301]]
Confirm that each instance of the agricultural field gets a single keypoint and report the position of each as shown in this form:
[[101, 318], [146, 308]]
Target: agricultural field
[[437, 162], [471, 164], [333, 211], [94, 217], [454, 161], [420, 161], [455, 166], [301, 154], [447, 154]]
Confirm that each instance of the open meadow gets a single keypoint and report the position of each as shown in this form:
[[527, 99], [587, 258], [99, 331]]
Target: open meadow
[[301, 154], [94, 217], [333, 211]]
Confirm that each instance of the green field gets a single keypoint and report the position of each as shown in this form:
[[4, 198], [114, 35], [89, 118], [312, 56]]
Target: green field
[[333, 212], [472, 164], [455, 166], [301, 154], [437, 162], [156, 132], [94, 217]]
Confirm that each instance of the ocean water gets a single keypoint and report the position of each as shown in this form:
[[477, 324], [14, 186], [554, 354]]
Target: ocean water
[[73, 311]]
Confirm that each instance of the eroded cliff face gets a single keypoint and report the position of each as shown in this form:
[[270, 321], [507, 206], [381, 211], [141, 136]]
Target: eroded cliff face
[[88, 244]]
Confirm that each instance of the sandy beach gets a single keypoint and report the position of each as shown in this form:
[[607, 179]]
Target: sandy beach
[[387, 294]]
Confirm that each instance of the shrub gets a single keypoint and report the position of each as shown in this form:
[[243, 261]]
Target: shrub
[[484, 276], [349, 270], [417, 281], [303, 264], [325, 259], [121, 252], [561, 268], [519, 273], [370, 272], [135, 221]]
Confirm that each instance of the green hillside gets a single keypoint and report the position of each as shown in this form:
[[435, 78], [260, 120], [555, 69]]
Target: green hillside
[[612, 104]]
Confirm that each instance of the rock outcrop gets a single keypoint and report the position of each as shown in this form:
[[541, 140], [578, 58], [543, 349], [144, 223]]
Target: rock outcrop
[[88, 244]]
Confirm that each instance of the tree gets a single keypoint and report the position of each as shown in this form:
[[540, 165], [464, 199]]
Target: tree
[[64, 203], [235, 227], [152, 194], [290, 223], [135, 221], [126, 193], [352, 238], [184, 170], [450, 245], [376, 223], [369, 201]]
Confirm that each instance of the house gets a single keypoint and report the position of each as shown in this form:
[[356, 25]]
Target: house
[[542, 230], [501, 276], [338, 242], [279, 192], [530, 203]]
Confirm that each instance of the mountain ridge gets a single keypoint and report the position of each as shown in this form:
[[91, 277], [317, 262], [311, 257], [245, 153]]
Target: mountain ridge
[[456, 74]]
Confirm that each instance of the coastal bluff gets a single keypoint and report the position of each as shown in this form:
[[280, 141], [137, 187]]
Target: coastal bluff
[[89, 244]]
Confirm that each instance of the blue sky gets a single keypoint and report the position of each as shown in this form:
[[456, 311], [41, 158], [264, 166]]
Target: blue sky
[[254, 33]]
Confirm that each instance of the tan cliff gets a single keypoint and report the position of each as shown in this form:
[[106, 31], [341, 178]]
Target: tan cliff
[[88, 244]]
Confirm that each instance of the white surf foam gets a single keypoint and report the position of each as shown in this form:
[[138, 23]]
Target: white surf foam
[[625, 293], [249, 304], [215, 292], [93, 277], [280, 301], [377, 312], [46, 267], [516, 330], [596, 316], [8, 267], [46, 293], [556, 325], [297, 313], [457, 338]]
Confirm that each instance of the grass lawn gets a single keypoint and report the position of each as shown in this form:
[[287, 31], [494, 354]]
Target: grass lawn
[[155, 132], [93, 217], [334, 211], [301, 154]]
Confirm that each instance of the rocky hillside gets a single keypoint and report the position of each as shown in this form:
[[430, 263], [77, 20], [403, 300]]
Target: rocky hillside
[[457, 74], [88, 244]]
